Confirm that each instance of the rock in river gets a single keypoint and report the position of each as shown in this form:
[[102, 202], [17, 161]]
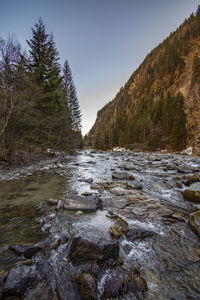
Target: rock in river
[[19, 279], [87, 286], [119, 282], [27, 250], [122, 176], [83, 250], [190, 178], [192, 193], [194, 221], [119, 228], [86, 204], [135, 234]]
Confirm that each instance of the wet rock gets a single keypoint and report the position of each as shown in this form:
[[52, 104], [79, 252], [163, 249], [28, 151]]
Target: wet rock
[[119, 281], [182, 217], [111, 215], [27, 250], [194, 222], [190, 178], [119, 228], [19, 280], [93, 152], [86, 194], [95, 186], [27, 262], [3, 276], [87, 204], [118, 191], [131, 166], [122, 176], [79, 213], [59, 204], [117, 188], [64, 238], [52, 201], [142, 206], [187, 151], [192, 193], [89, 180], [55, 243], [141, 234], [83, 250], [52, 242], [168, 220], [182, 170], [87, 286], [91, 162]]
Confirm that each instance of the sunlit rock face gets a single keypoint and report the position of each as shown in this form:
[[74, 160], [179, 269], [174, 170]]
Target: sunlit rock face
[[139, 116]]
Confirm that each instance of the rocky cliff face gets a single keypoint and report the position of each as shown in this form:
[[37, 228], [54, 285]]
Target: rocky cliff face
[[159, 106]]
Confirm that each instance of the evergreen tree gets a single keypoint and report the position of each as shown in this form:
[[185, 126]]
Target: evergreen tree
[[53, 68], [71, 96], [38, 56], [44, 58]]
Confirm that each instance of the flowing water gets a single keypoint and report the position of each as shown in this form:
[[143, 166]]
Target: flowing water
[[167, 253]]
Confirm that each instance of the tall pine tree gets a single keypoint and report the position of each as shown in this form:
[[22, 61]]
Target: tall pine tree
[[44, 58], [71, 97]]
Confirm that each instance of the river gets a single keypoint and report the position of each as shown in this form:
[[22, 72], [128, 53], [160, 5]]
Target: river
[[100, 225]]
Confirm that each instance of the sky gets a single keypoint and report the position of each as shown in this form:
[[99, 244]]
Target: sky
[[104, 41]]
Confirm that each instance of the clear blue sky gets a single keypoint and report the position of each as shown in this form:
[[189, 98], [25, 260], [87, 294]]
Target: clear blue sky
[[103, 40]]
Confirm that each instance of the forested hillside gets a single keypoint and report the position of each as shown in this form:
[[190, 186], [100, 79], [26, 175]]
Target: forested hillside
[[38, 99], [159, 106]]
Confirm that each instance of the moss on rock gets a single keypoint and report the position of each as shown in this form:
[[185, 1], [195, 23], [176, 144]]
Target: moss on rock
[[192, 195]]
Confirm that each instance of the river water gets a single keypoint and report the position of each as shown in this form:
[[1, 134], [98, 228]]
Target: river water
[[143, 189]]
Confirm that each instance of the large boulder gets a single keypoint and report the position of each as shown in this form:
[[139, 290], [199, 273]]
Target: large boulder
[[19, 280], [83, 250], [194, 221]]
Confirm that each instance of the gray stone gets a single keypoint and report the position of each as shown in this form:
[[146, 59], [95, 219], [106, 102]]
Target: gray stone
[[19, 279], [122, 176], [86, 204], [89, 180], [83, 250], [134, 234], [27, 250], [120, 281]]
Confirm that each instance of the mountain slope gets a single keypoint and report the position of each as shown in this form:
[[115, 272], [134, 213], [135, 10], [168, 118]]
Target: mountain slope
[[159, 106]]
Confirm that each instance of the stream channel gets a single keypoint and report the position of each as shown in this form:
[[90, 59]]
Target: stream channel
[[100, 225]]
